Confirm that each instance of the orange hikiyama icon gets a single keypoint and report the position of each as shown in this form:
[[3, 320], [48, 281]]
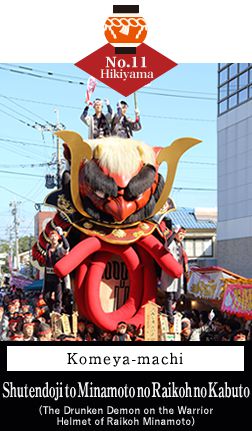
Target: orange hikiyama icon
[[125, 29]]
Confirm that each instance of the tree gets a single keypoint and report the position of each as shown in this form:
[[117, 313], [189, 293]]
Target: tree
[[4, 248], [25, 243]]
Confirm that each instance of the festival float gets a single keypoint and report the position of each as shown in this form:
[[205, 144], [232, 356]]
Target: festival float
[[110, 205]]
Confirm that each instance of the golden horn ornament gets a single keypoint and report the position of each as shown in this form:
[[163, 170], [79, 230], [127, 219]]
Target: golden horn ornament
[[171, 156], [79, 150]]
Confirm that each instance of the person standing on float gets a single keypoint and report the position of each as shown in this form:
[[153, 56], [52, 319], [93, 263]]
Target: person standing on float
[[121, 125], [99, 123], [57, 248]]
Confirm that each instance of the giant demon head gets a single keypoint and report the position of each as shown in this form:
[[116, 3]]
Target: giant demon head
[[120, 184], [116, 181]]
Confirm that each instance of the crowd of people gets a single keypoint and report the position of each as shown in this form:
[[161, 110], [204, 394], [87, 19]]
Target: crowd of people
[[26, 317]]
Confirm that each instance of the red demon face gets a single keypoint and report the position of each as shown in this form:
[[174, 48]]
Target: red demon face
[[111, 198]]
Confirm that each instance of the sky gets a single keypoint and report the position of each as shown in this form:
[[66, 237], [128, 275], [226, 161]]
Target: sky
[[180, 103]]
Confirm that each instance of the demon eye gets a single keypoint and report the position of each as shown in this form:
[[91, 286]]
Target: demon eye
[[140, 182], [92, 174], [100, 194]]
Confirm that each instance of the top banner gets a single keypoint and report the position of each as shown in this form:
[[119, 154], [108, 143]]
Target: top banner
[[185, 31]]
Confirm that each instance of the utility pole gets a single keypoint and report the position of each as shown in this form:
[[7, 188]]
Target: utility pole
[[14, 205], [52, 128], [30, 256], [58, 127], [10, 251]]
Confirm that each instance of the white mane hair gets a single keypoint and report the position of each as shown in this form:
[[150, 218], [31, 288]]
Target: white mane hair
[[121, 156]]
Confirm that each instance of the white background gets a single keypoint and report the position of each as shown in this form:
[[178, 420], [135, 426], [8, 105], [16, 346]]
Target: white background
[[192, 31], [55, 358]]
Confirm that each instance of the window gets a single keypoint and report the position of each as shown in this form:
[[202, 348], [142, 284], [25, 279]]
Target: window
[[221, 65], [232, 101], [189, 247], [243, 95], [199, 247], [234, 88], [243, 79], [223, 76], [233, 69], [223, 107], [223, 91], [243, 66], [250, 76]]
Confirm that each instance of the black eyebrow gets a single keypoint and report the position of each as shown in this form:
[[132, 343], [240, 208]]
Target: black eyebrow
[[140, 182], [92, 174]]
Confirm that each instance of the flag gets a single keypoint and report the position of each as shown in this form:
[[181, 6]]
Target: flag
[[91, 84]]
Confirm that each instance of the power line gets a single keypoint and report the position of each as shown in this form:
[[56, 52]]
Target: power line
[[30, 69], [21, 151], [198, 163], [22, 107], [39, 102], [53, 163], [162, 117], [17, 194], [16, 112], [18, 119], [31, 165], [154, 93], [20, 173], [14, 151], [25, 143], [196, 189]]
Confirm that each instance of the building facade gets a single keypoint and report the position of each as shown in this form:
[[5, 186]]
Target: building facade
[[234, 124], [200, 225]]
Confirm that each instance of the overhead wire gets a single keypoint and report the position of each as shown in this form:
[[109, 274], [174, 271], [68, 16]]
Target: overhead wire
[[18, 119], [49, 75], [25, 109], [20, 173], [15, 151], [24, 152], [31, 165], [17, 194], [28, 68], [161, 117], [196, 189], [25, 143], [17, 112]]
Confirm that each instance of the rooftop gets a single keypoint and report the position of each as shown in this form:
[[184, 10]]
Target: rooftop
[[189, 218]]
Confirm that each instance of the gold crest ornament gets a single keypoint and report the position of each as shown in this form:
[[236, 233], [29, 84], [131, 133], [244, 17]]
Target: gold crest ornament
[[171, 156]]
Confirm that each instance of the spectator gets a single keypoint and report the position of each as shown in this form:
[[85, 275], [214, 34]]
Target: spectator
[[173, 287], [90, 332], [121, 332], [3, 325], [240, 335], [44, 332], [17, 336], [28, 330]]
